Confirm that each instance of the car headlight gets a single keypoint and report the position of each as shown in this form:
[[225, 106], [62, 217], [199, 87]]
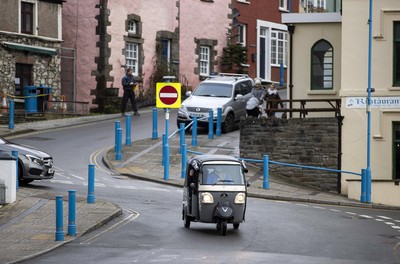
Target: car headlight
[[35, 159], [240, 198], [207, 198]]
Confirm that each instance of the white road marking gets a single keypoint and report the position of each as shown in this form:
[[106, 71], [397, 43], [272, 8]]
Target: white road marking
[[379, 220], [156, 189], [78, 177], [389, 223], [366, 216], [61, 181], [384, 217], [125, 187], [350, 213], [318, 207], [335, 210]]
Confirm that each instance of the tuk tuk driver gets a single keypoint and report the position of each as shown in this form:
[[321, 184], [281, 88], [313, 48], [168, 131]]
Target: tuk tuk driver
[[216, 173]]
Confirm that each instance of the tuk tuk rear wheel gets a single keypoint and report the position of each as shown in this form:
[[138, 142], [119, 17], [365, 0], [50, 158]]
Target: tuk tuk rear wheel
[[186, 220], [235, 226]]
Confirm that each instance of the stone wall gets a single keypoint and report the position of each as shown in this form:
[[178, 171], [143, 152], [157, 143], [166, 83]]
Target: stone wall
[[307, 141]]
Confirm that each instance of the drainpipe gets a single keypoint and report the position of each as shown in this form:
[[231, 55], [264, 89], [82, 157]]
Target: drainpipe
[[339, 166], [291, 32]]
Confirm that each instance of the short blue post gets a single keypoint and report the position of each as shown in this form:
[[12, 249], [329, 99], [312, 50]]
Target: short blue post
[[128, 141], [210, 124], [154, 135], [166, 159], [163, 148], [90, 196], [59, 218], [72, 212], [219, 121], [194, 132], [282, 75], [14, 153], [11, 115], [363, 197], [265, 170], [181, 136], [117, 125], [184, 160], [368, 185], [118, 154]]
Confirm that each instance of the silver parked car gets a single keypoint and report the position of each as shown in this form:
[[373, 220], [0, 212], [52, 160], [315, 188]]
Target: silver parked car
[[230, 92], [33, 164]]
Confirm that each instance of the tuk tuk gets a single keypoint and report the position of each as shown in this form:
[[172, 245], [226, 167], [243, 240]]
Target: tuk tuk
[[215, 191]]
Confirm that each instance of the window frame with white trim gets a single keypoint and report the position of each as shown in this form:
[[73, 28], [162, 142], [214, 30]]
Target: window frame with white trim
[[204, 60]]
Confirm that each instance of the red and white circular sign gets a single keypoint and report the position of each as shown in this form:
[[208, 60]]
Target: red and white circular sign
[[168, 95]]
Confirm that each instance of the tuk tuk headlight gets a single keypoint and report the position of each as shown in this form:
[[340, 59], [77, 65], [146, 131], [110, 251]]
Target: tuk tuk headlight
[[207, 198], [240, 198]]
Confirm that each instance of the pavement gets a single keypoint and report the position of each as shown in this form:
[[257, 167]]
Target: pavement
[[27, 226]]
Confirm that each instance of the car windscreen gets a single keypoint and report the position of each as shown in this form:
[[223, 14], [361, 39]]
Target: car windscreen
[[214, 90], [222, 174]]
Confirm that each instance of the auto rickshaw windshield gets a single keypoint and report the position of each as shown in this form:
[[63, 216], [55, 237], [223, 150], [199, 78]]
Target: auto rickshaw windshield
[[222, 174]]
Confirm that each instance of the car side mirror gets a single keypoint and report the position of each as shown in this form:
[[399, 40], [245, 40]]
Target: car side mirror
[[239, 97], [188, 93]]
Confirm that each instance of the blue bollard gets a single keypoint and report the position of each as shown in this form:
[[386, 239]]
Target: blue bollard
[[11, 115], [90, 196], [72, 212], [282, 75], [163, 149], [265, 170], [155, 133], [363, 197], [210, 124], [59, 218], [118, 154], [128, 141], [219, 121], [184, 160], [117, 125], [14, 153], [194, 132], [166, 160], [181, 136], [368, 185]]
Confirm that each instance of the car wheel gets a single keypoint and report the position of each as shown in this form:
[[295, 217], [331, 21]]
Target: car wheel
[[229, 123], [21, 180]]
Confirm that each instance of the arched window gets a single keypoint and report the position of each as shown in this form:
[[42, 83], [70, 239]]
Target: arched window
[[322, 66]]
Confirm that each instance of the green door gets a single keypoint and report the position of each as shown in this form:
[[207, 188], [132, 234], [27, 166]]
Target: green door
[[396, 150]]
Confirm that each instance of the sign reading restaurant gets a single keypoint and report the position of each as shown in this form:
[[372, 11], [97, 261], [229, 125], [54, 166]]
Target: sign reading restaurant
[[376, 102]]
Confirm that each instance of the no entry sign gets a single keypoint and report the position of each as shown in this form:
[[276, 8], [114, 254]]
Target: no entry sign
[[168, 95]]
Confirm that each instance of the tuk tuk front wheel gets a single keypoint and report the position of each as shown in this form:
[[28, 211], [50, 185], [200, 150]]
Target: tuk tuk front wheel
[[222, 227], [235, 226]]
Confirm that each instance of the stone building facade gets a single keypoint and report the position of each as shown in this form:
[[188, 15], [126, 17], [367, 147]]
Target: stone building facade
[[30, 37]]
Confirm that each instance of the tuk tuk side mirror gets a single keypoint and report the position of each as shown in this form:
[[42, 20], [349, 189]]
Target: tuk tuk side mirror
[[192, 185], [248, 184], [245, 170]]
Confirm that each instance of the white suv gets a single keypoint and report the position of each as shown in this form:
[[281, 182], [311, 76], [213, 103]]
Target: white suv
[[228, 91]]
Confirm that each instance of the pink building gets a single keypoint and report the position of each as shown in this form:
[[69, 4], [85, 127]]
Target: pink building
[[183, 38]]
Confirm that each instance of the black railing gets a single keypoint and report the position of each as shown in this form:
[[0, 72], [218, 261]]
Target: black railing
[[306, 106]]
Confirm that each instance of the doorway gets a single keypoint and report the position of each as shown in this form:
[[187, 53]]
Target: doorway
[[396, 150], [23, 77]]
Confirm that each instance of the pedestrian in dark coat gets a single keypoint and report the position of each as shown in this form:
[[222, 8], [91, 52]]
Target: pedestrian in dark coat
[[129, 84]]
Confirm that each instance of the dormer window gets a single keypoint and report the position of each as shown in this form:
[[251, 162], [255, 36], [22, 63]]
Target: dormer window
[[132, 27]]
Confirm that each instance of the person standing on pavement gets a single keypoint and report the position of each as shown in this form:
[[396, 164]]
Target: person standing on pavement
[[129, 84], [272, 94], [254, 103]]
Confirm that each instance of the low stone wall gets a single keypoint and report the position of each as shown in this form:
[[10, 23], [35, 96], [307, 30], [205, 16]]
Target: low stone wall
[[307, 141]]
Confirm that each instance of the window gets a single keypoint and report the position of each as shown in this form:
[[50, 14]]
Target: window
[[241, 34], [23, 76], [165, 51], [396, 54], [322, 66], [283, 4], [26, 18], [132, 56], [396, 150], [278, 47], [204, 61], [132, 27]]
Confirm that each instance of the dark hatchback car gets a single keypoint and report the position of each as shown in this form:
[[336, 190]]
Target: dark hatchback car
[[33, 164]]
